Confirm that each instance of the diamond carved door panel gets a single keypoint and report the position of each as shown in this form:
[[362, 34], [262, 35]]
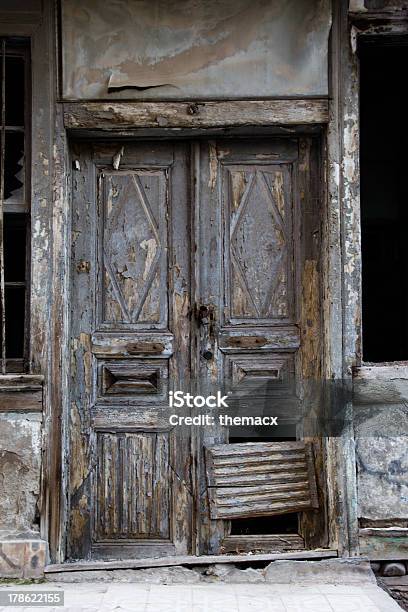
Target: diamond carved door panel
[[258, 231], [134, 246], [258, 241]]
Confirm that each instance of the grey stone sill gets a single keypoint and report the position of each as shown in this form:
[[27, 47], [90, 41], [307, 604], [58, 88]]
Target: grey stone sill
[[381, 384], [13, 535], [382, 371]]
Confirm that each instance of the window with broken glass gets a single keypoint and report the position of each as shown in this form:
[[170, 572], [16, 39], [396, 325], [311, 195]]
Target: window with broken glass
[[14, 204]]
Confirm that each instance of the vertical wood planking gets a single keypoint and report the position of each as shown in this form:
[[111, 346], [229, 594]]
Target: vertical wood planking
[[180, 308], [313, 524], [56, 449], [84, 206], [343, 273], [209, 291], [197, 465], [133, 486]]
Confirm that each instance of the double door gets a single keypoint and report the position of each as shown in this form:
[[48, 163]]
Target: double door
[[195, 267]]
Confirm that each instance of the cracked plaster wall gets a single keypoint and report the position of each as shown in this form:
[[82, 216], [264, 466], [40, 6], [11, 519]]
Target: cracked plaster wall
[[381, 432], [20, 462], [154, 49]]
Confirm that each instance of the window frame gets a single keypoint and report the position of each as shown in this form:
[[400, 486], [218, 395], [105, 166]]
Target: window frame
[[395, 35], [13, 46]]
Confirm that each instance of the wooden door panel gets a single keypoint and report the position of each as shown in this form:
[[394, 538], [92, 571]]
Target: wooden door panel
[[258, 206], [258, 269], [235, 340], [258, 215], [260, 479], [130, 470], [133, 247], [133, 497], [248, 374], [145, 378], [131, 345]]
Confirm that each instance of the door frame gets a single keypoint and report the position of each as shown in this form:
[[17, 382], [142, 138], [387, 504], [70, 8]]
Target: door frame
[[58, 435], [306, 250]]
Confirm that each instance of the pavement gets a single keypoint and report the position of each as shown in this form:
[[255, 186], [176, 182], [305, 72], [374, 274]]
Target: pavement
[[129, 597]]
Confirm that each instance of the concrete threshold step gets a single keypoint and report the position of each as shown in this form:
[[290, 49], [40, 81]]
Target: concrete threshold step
[[334, 571]]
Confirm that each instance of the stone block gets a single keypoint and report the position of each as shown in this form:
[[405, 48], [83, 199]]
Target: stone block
[[382, 461], [393, 569], [154, 575], [229, 573], [158, 575], [22, 558], [329, 571], [12, 556], [20, 466], [244, 576], [85, 576]]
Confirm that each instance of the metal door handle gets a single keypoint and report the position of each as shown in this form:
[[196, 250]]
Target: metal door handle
[[204, 313]]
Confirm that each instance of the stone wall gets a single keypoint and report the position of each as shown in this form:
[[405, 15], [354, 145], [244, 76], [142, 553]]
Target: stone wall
[[382, 462], [381, 434], [22, 552], [20, 464]]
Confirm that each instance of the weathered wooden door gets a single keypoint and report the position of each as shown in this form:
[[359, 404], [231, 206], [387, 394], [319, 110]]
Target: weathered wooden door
[[258, 231], [193, 264], [130, 478]]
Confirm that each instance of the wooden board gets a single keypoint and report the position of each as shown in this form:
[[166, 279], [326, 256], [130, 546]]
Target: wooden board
[[21, 393], [265, 543], [325, 553], [127, 115], [384, 544], [260, 479], [20, 401]]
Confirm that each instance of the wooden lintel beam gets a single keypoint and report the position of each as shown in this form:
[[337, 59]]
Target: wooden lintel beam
[[110, 116]]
